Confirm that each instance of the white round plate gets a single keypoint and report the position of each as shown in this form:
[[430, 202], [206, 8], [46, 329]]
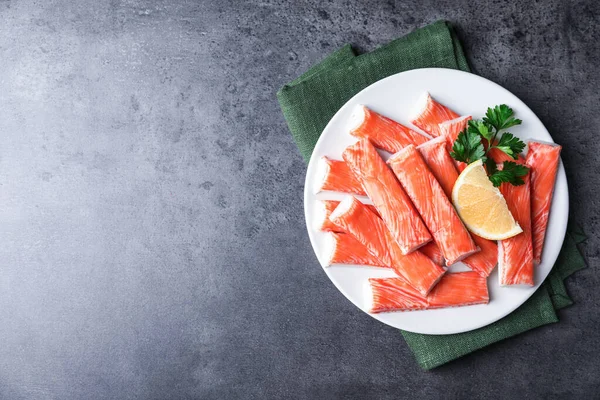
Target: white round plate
[[394, 97]]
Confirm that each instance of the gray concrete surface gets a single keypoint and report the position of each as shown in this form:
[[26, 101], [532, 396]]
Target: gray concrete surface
[[151, 221]]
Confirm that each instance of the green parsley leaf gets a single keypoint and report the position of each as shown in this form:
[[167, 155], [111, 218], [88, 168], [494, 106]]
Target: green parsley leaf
[[490, 166], [479, 137], [511, 172], [501, 117], [510, 144], [468, 147], [481, 128]]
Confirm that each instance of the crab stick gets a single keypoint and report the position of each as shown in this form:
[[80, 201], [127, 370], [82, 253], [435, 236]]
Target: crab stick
[[327, 207], [383, 132], [515, 255], [437, 158], [543, 159], [326, 225], [335, 176], [390, 200], [429, 114], [453, 290], [432, 251], [416, 268], [345, 249], [443, 169], [499, 156], [450, 129], [435, 208]]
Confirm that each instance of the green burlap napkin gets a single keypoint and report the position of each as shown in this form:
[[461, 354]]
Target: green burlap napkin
[[309, 102]]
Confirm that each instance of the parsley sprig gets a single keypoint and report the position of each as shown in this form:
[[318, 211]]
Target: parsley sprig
[[511, 172], [480, 136]]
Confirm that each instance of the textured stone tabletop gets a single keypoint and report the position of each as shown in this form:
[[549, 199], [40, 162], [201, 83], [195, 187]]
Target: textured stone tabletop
[[151, 220]]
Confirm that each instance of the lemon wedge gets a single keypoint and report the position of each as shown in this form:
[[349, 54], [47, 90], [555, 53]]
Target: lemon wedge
[[481, 206]]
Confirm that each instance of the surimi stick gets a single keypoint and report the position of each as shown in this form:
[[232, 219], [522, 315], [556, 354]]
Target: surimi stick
[[515, 255], [442, 167], [429, 114], [432, 251], [416, 268], [499, 156], [383, 132], [325, 224], [390, 200], [487, 258], [345, 249], [453, 290], [543, 159], [435, 208], [337, 177], [450, 129], [327, 207]]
